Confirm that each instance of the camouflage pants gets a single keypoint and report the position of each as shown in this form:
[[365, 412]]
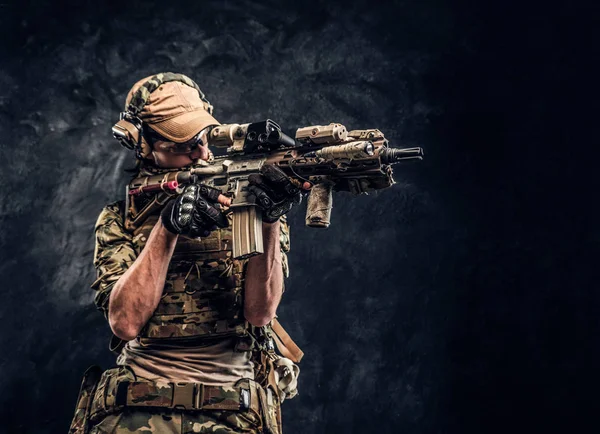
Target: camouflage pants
[[214, 422], [106, 418]]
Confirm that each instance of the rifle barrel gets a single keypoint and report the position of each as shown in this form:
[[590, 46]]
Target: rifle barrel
[[397, 155]]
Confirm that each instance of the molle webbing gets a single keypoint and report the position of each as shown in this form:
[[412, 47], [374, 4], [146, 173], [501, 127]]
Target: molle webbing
[[193, 307], [202, 297], [187, 396]]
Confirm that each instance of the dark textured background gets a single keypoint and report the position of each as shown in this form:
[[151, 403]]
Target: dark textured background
[[463, 300]]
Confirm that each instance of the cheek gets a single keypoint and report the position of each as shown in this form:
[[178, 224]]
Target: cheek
[[157, 159], [180, 160], [169, 160]]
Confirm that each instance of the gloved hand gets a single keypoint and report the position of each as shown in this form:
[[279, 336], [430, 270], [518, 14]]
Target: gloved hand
[[195, 212], [275, 193]]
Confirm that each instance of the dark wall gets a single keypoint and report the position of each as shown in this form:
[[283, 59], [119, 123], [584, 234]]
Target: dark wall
[[460, 300]]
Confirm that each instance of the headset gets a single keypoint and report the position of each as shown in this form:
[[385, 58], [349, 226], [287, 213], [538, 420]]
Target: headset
[[129, 131]]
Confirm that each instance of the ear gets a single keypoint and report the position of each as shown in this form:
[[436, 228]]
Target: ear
[[146, 149]]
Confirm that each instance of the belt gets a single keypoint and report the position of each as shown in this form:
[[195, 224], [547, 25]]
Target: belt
[[188, 396]]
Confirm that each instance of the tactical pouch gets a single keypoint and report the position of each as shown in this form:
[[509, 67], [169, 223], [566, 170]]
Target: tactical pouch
[[81, 419], [105, 395], [270, 410]]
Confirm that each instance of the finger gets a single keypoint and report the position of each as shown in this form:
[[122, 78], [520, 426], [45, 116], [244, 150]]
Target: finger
[[261, 185], [198, 232], [262, 198], [260, 181], [208, 215], [282, 208], [255, 179], [184, 212], [183, 220], [222, 220], [273, 173], [189, 194], [277, 211], [278, 179], [210, 193]]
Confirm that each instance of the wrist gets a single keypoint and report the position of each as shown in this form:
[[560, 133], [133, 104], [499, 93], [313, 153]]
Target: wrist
[[166, 218], [270, 226], [165, 232]]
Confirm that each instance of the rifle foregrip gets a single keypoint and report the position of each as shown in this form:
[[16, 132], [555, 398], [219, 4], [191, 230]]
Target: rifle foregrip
[[247, 232], [318, 208]]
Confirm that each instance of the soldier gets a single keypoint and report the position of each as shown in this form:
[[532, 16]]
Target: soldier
[[194, 328]]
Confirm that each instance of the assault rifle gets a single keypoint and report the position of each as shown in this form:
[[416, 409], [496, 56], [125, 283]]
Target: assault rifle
[[320, 159]]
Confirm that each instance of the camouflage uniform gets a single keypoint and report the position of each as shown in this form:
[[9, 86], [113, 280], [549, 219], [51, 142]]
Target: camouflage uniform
[[202, 299], [161, 383], [111, 418]]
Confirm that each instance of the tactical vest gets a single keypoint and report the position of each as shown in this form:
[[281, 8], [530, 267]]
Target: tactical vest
[[202, 297]]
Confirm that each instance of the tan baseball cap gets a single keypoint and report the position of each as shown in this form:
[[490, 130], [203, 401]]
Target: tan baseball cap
[[174, 110]]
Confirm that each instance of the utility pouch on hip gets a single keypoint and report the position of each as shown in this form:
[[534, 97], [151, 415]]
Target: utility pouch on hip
[[81, 422], [270, 410]]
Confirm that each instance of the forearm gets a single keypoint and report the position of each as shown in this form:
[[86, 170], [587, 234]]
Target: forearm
[[137, 293], [264, 279]]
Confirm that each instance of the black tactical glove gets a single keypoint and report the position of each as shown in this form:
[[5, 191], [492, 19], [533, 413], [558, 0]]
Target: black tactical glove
[[275, 193], [193, 213]]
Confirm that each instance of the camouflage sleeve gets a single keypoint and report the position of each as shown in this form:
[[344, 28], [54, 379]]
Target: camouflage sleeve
[[113, 253], [284, 239]]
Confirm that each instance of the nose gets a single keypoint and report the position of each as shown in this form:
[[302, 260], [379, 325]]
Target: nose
[[200, 152]]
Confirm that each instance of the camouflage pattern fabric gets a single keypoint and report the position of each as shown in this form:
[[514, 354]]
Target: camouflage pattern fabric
[[140, 97], [189, 396], [79, 425], [284, 240], [136, 417], [202, 298], [147, 422], [203, 289], [113, 254]]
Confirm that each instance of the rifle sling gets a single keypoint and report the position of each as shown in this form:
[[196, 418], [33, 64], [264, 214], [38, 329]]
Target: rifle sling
[[286, 346]]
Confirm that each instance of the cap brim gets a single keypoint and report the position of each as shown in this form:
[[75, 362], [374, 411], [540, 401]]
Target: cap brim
[[182, 128]]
